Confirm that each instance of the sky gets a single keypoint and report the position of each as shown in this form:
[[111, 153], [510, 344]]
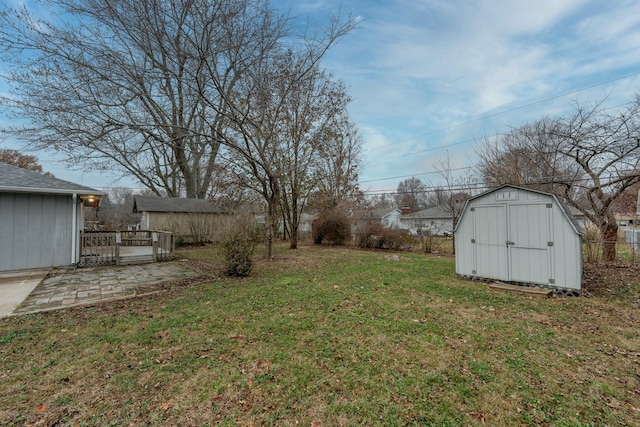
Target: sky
[[430, 79]]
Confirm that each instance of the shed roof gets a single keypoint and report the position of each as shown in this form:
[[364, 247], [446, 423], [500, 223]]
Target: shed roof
[[173, 205], [17, 180], [563, 207]]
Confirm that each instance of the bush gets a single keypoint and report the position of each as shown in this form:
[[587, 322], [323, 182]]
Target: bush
[[430, 243], [375, 236], [238, 247], [369, 236], [592, 245], [332, 228]]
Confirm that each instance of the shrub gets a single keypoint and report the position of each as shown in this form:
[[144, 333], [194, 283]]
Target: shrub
[[332, 228], [592, 245], [375, 236], [430, 243], [238, 247]]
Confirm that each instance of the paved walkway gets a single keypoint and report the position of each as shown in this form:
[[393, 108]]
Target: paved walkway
[[93, 284], [15, 286]]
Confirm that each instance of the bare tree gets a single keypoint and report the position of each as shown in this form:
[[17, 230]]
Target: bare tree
[[455, 191], [338, 166], [528, 157], [138, 86], [589, 158], [260, 113], [628, 201], [309, 114], [605, 144], [381, 201], [116, 210], [412, 193]]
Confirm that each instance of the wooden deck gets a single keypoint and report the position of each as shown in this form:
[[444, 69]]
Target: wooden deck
[[122, 248]]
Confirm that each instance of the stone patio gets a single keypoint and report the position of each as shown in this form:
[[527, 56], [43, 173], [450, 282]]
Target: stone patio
[[89, 285]]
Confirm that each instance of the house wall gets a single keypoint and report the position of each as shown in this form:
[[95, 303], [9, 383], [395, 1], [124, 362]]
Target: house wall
[[392, 219], [437, 226], [36, 230], [544, 248], [190, 226]]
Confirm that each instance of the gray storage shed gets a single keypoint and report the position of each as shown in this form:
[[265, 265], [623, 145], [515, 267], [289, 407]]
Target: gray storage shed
[[40, 219], [518, 235]]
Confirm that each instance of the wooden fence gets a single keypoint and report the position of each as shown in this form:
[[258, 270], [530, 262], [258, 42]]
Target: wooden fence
[[125, 247]]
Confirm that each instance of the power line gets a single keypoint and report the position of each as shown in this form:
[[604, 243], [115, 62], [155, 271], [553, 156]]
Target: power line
[[550, 98], [447, 146], [478, 185], [415, 174], [434, 148]]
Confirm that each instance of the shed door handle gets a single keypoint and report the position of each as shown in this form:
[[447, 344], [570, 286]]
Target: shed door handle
[[509, 242]]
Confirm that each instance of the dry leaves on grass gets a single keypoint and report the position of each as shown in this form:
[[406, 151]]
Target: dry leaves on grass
[[607, 279]]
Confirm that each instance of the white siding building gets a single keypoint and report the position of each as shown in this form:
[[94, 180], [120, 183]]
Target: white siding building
[[436, 220]]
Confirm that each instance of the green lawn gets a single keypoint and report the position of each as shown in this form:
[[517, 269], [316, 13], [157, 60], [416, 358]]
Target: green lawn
[[326, 337]]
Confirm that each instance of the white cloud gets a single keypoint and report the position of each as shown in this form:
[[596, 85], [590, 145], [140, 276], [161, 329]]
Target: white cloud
[[420, 68]]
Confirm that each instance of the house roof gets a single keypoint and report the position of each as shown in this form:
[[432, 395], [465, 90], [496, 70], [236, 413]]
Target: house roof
[[17, 180], [382, 213], [435, 212], [173, 205], [375, 214]]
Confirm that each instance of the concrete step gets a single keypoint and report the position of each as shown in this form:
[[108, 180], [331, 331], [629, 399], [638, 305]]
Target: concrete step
[[137, 259]]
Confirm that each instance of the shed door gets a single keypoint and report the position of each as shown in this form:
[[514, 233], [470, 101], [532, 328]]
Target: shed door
[[511, 242], [528, 234], [490, 249]]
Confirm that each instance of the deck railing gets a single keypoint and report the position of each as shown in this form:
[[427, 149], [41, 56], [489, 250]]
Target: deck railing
[[97, 248], [121, 247]]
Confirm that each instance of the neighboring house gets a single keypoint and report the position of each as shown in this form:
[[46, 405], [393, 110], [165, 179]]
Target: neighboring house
[[437, 220], [193, 220], [625, 219], [40, 219], [305, 226], [578, 215], [306, 223], [389, 218]]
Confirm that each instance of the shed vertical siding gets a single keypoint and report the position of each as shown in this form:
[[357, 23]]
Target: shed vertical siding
[[489, 237], [518, 235], [35, 230]]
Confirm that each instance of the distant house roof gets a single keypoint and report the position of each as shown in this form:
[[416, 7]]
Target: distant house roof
[[375, 214], [17, 180], [382, 213], [436, 212], [173, 205]]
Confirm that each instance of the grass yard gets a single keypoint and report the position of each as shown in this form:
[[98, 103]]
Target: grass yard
[[326, 337]]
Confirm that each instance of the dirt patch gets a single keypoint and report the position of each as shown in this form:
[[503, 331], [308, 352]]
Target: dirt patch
[[621, 280]]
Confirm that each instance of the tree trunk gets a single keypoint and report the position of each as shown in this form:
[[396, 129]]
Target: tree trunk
[[293, 237], [609, 232], [271, 225]]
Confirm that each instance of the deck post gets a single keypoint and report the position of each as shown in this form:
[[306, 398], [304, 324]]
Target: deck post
[[154, 238], [118, 243]]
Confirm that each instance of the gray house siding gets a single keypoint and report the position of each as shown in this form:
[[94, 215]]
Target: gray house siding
[[36, 230]]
